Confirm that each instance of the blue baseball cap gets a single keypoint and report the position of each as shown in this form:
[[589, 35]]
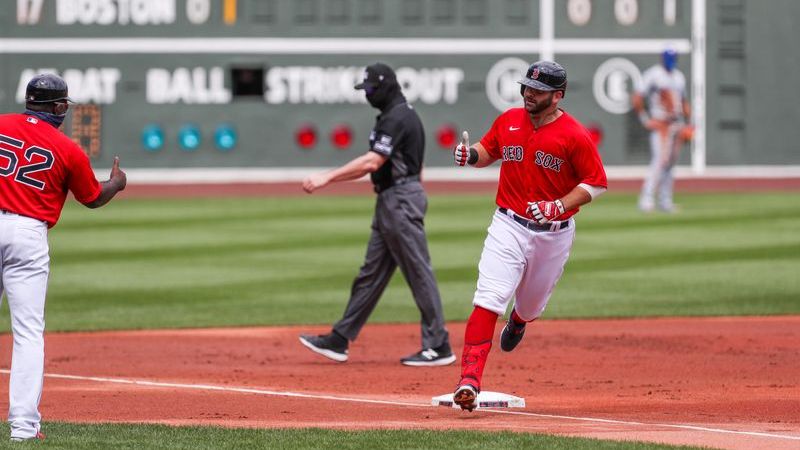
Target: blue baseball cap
[[670, 59]]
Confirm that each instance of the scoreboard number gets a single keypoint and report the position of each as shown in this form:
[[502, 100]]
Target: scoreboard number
[[198, 11], [29, 11], [579, 11], [86, 127], [626, 12]]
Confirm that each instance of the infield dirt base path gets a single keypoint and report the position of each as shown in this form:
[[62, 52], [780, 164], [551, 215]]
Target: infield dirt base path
[[719, 382]]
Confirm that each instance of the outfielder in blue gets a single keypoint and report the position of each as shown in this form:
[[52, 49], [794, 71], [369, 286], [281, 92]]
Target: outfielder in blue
[[663, 108]]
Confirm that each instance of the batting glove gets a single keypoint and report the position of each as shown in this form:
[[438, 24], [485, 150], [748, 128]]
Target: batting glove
[[461, 155], [545, 211]]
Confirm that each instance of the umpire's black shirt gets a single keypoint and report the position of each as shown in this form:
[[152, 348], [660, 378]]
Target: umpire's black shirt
[[398, 134]]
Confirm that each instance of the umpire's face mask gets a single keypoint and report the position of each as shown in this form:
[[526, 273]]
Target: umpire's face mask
[[381, 95]]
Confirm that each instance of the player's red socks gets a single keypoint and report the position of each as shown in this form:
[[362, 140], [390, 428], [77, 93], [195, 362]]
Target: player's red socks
[[480, 326], [477, 344], [516, 318], [473, 360]]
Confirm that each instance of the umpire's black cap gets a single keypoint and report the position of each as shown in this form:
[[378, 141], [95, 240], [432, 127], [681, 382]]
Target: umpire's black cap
[[375, 75], [46, 88], [545, 76]]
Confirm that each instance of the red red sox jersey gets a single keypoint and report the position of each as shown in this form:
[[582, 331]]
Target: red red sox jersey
[[38, 165], [543, 164]]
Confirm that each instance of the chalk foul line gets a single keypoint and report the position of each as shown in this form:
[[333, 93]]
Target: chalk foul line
[[242, 390]]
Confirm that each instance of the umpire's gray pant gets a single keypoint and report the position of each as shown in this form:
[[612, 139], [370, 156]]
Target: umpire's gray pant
[[397, 239]]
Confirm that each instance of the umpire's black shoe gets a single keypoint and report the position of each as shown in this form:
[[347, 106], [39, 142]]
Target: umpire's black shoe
[[511, 336], [327, 345], [429, 357]]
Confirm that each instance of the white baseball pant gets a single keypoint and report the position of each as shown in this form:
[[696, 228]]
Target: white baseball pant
[[25, 266], [521, 263]]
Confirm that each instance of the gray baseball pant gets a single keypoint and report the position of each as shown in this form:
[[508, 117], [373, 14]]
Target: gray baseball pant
[[397, 239]]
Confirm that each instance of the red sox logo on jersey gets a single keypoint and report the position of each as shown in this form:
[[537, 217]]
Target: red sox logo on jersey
[[513, 153], [548, 161]]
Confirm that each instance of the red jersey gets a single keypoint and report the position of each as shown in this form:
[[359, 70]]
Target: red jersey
[[38, 165], [543, 164]]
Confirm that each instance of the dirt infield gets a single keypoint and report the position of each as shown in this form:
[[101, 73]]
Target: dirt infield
[[721, 382]]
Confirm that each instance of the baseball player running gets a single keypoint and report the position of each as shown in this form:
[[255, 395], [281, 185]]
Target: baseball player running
[[550, 167], [38, 165], [664, 88]]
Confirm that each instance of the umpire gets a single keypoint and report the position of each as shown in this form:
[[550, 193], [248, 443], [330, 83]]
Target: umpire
[[394, 162]]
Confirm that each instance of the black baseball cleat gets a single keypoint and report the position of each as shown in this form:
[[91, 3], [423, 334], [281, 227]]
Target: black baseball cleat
[[327, 345], [430, 357], [512, 335], [466, 396]]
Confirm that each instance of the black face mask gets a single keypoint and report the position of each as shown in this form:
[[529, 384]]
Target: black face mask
[[383, 95]]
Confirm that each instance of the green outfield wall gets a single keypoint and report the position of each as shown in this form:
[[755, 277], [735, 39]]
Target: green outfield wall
[[268, 83]]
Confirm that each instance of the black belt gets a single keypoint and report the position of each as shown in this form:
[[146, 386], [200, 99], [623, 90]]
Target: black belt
[[397, 181], [531, 225]]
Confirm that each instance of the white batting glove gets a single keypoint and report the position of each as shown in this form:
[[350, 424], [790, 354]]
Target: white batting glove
[[544, 212], [461, 152]]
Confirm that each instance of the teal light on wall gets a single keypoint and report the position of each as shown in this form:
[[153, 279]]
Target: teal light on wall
[[189, 137], [225, 138], [152, 138]]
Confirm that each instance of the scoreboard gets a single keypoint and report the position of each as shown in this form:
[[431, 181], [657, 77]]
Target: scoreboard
[[269, 83]]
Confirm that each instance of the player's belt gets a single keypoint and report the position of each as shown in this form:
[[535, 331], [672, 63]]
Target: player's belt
[[531, 225], [6, 212], [402, 180]]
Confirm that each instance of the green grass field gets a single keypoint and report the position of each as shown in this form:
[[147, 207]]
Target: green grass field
[[239, 262], [122, 437]]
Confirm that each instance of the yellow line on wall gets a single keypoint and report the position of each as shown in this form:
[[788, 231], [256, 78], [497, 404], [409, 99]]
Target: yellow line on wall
[[229, 12]]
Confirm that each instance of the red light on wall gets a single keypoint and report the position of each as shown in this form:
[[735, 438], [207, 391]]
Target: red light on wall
[[341, 136], [596, 133], [446, 136], [306, 136]]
